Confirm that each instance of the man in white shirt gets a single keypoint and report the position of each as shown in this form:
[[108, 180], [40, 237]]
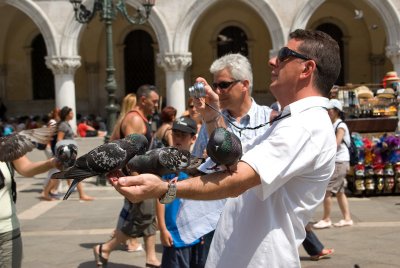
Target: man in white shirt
[[283, 173]]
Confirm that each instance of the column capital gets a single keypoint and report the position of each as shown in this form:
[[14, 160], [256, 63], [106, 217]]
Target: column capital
[[393, 53], [377, 59], [171, 61], [63, 65]]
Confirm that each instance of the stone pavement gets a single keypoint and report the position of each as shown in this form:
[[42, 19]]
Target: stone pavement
[[62, 233]]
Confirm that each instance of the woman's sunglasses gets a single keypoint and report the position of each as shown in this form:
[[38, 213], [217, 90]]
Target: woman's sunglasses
[[224, 84]]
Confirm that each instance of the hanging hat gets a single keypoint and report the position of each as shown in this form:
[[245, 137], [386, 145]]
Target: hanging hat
[[385, 93], [364, 92]]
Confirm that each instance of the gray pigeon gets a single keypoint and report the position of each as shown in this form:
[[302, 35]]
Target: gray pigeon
[[224, 147], [163, 161], [19, 143], [66, 153], [103, 159]]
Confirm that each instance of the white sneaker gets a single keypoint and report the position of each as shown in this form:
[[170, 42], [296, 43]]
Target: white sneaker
[[343, 223], [322, 224]]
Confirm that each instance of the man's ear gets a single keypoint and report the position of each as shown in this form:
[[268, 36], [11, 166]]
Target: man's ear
[[246, 83], [309, 67], [193, 140]]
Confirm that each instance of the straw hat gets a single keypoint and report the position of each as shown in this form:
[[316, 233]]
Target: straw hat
[[390, 77], [385, 93], [364, 92]]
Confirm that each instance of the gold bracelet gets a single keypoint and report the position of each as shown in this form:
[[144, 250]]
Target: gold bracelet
[[213, 120]]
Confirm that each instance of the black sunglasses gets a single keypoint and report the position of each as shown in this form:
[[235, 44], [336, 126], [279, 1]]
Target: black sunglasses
[[285, 53], [224, 84]]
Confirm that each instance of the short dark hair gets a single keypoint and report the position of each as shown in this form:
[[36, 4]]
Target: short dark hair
[[145, 90], [324, 50]]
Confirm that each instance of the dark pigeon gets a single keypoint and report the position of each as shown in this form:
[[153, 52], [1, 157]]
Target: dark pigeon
[[19, 143], [103, 159], [66, 153], [161, 161], [224, 147]]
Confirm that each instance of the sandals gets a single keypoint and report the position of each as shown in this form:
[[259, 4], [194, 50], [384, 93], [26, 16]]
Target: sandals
[[100, 260], [325, 253], [149, 265]]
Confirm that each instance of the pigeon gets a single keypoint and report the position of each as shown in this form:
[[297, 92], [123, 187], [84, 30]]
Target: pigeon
[[105, 158], [19, 143], [162, 161], [224, 148], [66, 153]]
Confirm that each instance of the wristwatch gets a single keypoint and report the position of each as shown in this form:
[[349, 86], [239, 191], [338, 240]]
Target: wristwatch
[[170, 195]]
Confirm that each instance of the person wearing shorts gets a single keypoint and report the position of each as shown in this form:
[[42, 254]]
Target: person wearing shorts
[[338, 180]]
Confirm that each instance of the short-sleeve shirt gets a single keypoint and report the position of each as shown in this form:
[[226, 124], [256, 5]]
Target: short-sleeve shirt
[[342, 154], [8, 213], [67, 129], [258, 114], [294, 158]]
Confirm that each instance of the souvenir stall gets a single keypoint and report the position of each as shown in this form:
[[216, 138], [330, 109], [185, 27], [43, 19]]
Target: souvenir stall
[[371, 112]]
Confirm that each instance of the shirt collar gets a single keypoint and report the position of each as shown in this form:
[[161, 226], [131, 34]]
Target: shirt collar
[[306, 103]]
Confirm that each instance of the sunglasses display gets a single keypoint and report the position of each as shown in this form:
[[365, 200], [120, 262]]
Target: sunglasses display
[[285, 53], [224, 84]]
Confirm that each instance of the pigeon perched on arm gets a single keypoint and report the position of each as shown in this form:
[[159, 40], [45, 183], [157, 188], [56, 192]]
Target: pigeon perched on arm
[[103, 159], [19, 143], [224, 147], [163, 161]]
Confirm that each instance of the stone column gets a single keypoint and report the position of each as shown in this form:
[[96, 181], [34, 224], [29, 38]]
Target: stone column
[[393, 53], [377, 62], [64, 69], [175, 65]]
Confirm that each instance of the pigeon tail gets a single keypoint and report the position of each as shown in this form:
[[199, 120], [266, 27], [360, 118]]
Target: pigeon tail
[[71, 189], [59, 175]]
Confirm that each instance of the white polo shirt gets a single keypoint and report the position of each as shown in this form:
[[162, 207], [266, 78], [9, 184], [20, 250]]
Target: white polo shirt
[[295, 158]]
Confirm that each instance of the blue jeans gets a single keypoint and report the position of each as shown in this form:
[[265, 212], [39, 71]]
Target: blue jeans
[[311, 244]]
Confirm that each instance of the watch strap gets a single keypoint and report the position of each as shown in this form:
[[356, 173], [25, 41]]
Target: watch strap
[[170, 195]]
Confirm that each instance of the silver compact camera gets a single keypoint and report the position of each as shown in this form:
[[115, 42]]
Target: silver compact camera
[[197, 90]]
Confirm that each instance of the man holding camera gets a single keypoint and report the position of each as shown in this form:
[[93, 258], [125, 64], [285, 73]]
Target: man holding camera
[[282, 177]]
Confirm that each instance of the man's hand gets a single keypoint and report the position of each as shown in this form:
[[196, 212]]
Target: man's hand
[[140, 187], [211, 98]]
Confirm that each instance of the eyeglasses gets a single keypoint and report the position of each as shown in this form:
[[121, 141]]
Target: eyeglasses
[[285, 53], [224, 84]]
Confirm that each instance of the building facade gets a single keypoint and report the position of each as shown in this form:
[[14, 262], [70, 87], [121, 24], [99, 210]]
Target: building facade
[[48, 59]]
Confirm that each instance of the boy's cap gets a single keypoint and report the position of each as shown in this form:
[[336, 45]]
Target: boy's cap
[[185, 124]]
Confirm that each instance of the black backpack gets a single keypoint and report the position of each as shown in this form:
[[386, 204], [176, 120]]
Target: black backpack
[[353, 150]]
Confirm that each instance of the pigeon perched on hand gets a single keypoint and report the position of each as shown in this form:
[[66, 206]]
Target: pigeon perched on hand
[[19, 143], [224, 147], [163, 161], [103, 159]]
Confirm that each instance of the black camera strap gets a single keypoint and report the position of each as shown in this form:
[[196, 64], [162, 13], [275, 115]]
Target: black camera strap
[[279, 117]]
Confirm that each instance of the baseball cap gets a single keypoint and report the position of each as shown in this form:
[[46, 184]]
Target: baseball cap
[[185, 124], [335, 103]]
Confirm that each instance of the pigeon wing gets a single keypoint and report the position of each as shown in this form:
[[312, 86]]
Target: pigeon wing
[[18, 144], [106, 158]]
